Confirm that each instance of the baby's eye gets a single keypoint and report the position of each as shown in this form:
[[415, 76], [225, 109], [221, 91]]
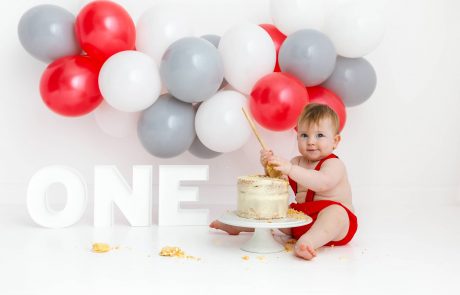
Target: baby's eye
[[320, 135], [303, 135]]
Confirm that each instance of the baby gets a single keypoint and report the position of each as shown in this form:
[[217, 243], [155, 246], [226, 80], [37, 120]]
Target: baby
[[319, 181]]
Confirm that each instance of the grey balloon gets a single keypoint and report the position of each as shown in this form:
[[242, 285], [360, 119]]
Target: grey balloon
[[199, 150], [215, 40], [309, 55], [47, 32], [353, 79], [167, 128], [192, 69]]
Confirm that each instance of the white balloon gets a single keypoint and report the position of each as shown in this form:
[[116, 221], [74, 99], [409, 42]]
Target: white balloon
[[220, 123], [129, 81], [159, 27], [355, 28], [114, 122], [248, 54], [290, 16]]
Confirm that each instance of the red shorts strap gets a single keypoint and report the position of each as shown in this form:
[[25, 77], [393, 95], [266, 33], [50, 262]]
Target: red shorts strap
[[293, 185], [311, 194]]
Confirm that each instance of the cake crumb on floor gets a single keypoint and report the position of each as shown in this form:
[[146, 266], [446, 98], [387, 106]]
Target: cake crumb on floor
[[172, 251], [100, 248]]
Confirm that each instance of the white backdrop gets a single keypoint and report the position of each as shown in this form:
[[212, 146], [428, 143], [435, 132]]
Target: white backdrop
[[405, 138]]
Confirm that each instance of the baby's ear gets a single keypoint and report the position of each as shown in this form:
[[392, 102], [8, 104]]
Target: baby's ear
[[337, 139]]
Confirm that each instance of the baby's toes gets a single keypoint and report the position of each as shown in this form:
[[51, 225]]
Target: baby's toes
[[305, 251], [311, 250]]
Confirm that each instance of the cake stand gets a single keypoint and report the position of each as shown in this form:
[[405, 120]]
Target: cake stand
[[262, 240]]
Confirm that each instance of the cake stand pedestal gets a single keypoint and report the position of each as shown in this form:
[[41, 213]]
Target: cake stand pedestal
[[262, 240]]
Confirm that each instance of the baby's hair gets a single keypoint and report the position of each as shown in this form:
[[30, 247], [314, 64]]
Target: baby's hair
[[313, 113]]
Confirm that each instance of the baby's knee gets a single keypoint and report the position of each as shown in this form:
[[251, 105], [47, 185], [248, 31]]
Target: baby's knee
[[337, 215]]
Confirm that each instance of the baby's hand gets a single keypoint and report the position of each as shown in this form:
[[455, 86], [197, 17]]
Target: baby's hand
[[300, 198], [264, 156], [280, 164]]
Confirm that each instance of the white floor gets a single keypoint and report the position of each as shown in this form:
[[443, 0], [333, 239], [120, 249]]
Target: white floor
[[396, 251]]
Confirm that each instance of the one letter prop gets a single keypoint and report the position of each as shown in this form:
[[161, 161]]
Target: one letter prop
[[110, 187], [37, 203], [172, 193]]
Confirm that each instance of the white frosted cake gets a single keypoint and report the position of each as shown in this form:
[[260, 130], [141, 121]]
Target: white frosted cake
[[262, 197]]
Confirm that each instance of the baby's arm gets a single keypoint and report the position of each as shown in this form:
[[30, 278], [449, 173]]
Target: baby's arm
[[332, 171]]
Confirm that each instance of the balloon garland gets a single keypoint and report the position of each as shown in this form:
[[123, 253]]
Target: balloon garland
[[307, 55]]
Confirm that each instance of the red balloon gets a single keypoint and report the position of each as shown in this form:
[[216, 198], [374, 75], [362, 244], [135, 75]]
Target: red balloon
[[325, 96], [278, 39], [104, 28], [277, 100], [69, 86]]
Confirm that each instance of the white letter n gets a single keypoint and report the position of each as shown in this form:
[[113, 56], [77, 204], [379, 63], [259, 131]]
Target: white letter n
[[111, 188]]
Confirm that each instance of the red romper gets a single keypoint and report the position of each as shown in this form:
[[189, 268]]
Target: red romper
[[312, 209]]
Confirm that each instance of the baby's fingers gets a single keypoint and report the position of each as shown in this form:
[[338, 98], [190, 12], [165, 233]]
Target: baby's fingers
[[276, 167], [272, 161], [266, 154]]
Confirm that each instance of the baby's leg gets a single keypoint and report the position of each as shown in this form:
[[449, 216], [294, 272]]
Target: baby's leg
[[286, 231], [230, 229], [331, 225]]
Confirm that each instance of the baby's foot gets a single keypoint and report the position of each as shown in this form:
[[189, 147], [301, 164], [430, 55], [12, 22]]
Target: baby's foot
[[304, 250], [231, 230]]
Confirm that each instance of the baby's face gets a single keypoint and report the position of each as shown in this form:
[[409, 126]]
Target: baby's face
[[317, 141]]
